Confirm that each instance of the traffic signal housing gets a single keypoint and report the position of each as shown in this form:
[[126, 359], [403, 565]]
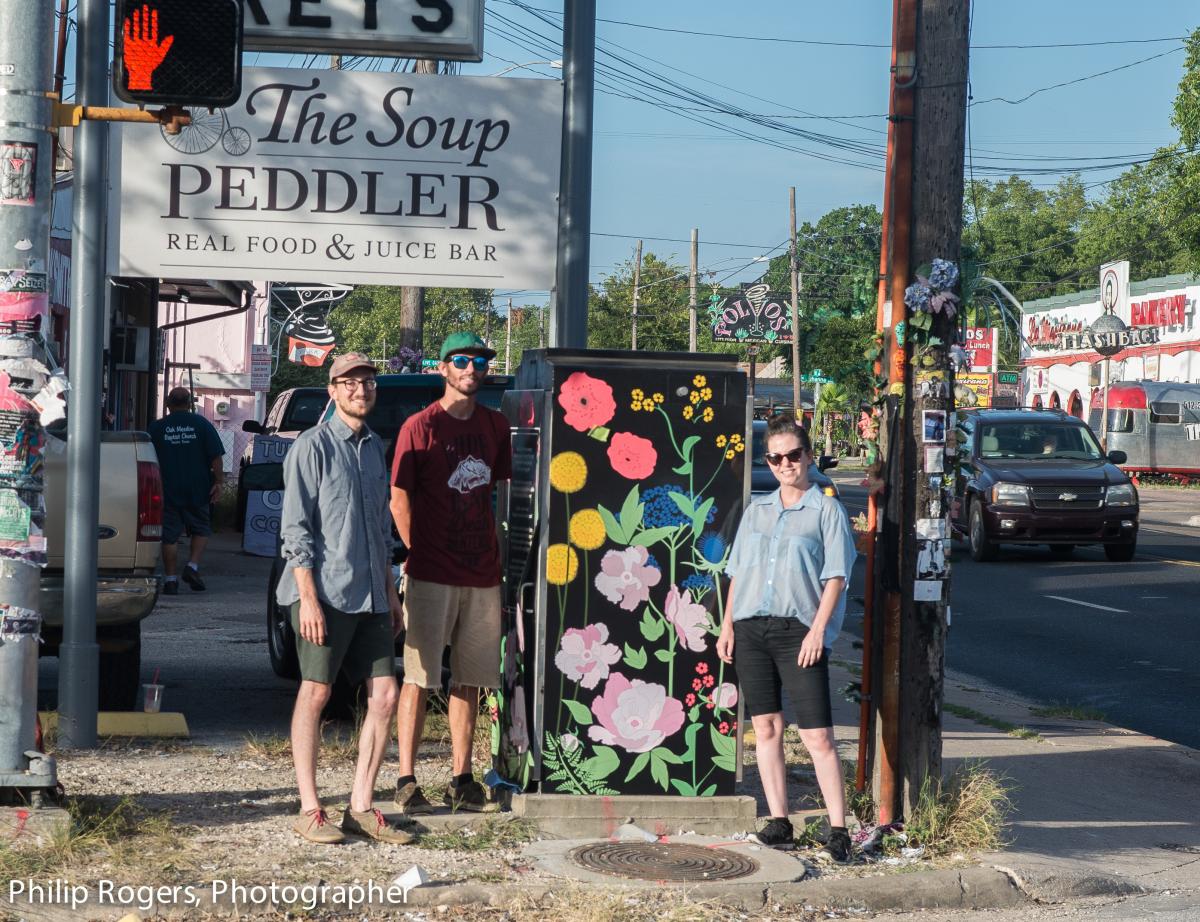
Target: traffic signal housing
[[178, 52]]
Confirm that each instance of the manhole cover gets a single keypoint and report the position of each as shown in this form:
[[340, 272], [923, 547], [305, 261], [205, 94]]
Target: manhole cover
[[663, 861]]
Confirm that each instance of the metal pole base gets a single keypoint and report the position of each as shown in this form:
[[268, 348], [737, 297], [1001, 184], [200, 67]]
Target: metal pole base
[[77, 697]]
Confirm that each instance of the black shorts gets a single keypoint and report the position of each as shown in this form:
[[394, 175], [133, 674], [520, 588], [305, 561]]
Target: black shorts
[[178, 519], [765, 654]]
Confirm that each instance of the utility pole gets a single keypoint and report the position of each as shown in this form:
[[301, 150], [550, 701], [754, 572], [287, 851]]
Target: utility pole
[[692, 333], [794, 265], [637, 281], [508, 340], [412, 297], [27, 47], [938, 136]]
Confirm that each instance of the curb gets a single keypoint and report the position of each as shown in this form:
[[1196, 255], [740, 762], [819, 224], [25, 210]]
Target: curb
[[162, 724]]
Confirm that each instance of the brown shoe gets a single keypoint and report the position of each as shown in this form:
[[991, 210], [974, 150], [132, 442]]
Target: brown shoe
[[371, 823], [314, 825], [411, 800], [471, 797]]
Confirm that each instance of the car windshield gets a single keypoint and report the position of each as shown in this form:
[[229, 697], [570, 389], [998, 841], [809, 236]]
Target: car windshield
[[304, 411], [393, 405], [1038, 439]]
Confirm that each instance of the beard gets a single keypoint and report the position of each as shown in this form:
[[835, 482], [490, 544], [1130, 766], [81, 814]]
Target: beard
[[354, 408]]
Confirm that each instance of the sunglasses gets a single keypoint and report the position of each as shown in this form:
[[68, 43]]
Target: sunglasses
[[462, 361], [775, 459]]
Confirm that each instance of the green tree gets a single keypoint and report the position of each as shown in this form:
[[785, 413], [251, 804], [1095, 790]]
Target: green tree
[[369, 318], [1182, 205], [835, 400]]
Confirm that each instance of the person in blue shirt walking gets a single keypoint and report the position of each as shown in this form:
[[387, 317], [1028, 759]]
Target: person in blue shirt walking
[[788, 571]]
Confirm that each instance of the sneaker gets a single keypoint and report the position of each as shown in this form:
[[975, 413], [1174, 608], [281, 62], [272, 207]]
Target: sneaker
[[314, 825], [171, 587], [192, 578], [777, 833], [471, 797], [370, 823], [837, 847], [411, 800]]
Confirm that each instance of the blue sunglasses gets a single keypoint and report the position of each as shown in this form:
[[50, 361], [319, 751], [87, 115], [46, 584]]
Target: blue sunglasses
[[462, 361]]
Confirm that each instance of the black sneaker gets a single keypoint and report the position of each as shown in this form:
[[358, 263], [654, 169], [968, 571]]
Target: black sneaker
[[471, 797], [192, 578], [171, 587], [776, 834], [837, 847], [411, 800]]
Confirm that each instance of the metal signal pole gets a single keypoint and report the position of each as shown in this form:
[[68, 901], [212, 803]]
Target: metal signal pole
[[637, 281], [692, 321], [793, 261]]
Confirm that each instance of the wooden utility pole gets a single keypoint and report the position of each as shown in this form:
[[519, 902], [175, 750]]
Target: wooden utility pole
[[794, 264], [412, 297], [692, 321], [939, 129], [637, 281]]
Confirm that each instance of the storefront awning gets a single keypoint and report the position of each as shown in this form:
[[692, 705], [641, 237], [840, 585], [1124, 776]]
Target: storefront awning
[[1074, 358]]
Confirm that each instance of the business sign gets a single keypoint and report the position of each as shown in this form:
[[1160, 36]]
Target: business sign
[[1004, 391], [980, 346], [1114, 288], [972, 390], [757, 315], [260, 531], [370, 178], [260, 367], [1108, 342]]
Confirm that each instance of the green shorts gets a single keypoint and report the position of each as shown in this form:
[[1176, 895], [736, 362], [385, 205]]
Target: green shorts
[[362, 645]]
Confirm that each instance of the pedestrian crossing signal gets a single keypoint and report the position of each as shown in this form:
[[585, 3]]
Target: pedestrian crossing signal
[[178, 52]]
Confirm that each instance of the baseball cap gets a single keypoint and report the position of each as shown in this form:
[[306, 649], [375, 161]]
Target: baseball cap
[[465, 342], [347, 363]]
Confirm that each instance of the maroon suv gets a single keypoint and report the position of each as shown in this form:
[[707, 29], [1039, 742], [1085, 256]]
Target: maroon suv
[[1040, 477]]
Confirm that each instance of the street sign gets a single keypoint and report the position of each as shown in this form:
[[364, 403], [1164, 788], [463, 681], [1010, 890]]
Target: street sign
[[349, 177], [757, 315], [260, 367], [451, 30], [178, 52]]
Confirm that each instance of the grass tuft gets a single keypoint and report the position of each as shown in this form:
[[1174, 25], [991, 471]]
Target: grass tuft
[[1068, 712], [966, 814], [1021, 733], [488, 835]]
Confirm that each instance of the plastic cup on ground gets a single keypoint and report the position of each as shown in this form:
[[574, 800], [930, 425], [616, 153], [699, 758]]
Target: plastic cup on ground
[[153, 698]]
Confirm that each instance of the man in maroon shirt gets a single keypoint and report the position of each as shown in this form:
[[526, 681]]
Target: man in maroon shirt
[[448, 457]]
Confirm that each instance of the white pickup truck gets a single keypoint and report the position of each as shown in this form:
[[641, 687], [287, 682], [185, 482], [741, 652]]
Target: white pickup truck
[[129, 545]]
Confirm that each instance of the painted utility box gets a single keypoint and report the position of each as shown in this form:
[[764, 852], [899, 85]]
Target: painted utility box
[[629, 480]]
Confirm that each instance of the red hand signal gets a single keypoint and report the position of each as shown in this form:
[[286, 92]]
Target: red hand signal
[[143, 52]]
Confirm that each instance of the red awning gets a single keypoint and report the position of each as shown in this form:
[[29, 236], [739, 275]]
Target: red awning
[[1045, 361]]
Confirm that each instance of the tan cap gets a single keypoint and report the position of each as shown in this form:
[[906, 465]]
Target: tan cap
[[347, 363]]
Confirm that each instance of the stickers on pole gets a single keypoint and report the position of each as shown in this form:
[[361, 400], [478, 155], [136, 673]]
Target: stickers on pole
[[19, 623]]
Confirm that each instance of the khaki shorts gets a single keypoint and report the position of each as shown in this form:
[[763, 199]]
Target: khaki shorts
[[463, 618], [361, 644]]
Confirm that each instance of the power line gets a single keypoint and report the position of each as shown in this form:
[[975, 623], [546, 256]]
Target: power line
[[1055, 86]]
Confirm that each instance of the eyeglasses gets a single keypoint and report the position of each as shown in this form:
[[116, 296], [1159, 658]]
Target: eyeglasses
[[775, 459], [462, 361], [353, 384]]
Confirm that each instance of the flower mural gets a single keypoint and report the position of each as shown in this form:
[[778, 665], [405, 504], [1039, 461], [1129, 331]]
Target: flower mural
[[636, 716], [690, 620], [626, 578], [584, 655], [632, 456], [588, 402]]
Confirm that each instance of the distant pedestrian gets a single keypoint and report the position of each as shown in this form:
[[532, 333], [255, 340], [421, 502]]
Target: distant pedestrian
[[189, 457], [448, 458], [789, 566], [336, 540]]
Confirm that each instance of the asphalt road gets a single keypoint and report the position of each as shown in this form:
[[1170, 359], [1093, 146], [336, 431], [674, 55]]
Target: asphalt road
[[1119, 638]]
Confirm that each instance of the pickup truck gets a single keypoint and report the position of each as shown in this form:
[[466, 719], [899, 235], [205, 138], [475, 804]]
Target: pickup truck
[[293, 411], [128, 548]]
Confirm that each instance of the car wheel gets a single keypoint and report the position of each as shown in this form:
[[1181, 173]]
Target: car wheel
[[120, 668], [281, 639], [1121, 553], [981, 548], [1062, 551]]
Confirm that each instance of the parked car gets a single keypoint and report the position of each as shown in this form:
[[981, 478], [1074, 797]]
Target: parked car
[[763, 481], [397, 398], [1039, 477], [128, 548]]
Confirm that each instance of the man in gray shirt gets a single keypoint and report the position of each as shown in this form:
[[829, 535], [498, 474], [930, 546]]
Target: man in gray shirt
[[336, 537]]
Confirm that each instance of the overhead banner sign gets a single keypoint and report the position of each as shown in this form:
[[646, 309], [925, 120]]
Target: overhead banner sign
[[446, 29], [368, 178], [757, 315]]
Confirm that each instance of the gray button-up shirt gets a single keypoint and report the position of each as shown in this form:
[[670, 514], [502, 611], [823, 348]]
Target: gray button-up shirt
[[336, 520], [782, 558]]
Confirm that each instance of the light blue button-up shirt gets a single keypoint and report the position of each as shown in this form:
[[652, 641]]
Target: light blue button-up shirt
[[782, 558]]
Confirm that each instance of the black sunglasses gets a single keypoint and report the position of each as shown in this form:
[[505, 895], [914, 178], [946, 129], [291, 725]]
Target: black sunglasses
[[462, 361], [775, 459]]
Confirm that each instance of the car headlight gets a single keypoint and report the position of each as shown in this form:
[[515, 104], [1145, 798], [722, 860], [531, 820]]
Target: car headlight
[[1121, 494], [1010, 494]]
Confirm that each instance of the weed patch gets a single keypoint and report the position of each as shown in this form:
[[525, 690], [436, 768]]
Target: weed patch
[[1021, 733], [1068, 712], [488, 835], [965, 814]]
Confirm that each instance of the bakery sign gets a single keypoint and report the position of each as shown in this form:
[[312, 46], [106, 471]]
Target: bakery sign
[[367, 178]]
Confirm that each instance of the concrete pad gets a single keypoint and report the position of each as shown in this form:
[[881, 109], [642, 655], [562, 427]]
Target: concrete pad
[[551, 857], [970, 888], [163, 725], [576, 816], [26, 827]]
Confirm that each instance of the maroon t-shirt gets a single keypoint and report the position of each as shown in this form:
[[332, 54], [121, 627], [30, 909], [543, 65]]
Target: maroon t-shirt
[[448, 467]]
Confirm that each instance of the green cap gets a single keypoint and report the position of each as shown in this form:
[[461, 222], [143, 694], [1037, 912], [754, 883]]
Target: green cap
[[468, 343]]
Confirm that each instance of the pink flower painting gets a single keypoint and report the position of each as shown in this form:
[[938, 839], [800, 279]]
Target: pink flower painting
[[689, 618], [637, 715], [632, 456], [588, 402], [625, 577], [585, 657], [726, 695]]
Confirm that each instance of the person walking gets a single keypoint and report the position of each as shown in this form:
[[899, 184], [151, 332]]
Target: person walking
[[788, 571], [336, 542], [189, 457], [448, 458]]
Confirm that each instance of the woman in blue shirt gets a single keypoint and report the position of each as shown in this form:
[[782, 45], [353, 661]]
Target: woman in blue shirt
[[787, 596]]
